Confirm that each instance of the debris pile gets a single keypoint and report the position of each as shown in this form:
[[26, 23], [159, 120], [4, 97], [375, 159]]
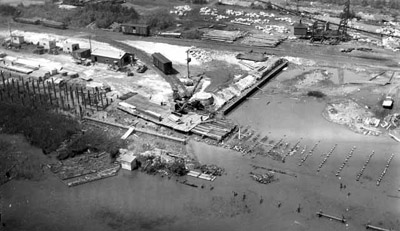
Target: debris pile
[[181, 10], [263, 178], [212, 169], [349, 113], [159, 161], [392, 120], [200, 54]]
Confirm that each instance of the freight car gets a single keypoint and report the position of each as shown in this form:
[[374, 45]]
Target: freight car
[[162, 63], [53, 24], [27, 20], [136, 29]]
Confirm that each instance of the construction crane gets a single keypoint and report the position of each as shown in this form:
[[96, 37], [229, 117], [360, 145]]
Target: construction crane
[[321, 31], [342, 29], [180, 106]]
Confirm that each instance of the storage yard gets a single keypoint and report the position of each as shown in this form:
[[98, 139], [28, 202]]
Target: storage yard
[[268, 118]]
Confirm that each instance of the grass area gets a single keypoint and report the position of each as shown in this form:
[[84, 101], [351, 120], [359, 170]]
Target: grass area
[[93, 140], [42, 129]]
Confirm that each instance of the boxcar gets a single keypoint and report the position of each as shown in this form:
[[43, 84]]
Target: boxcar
[[136, 29], [162, 63]]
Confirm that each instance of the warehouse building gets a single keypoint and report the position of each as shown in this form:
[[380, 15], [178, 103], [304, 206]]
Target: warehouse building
[[162, 63], [111, 57]]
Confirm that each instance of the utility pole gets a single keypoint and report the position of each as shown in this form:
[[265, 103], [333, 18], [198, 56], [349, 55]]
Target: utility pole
[[90, 43], [188, 59]]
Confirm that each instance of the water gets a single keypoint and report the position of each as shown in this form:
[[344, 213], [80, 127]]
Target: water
[[136, 201]]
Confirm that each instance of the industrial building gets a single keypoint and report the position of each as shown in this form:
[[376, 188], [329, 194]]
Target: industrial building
[[300, 30], [48, 44], [17, 40], [137, 29], [82, 53], [162, 63], [111, 57], [70, 47]]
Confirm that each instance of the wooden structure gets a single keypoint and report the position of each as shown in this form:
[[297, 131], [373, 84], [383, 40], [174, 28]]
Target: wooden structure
[[70, 47], [53, 24], [82, 53], [162, 63], [48, 44], [136, 29], [128, 162], [111, 57], [27, 20], [18, 40], [300, 30]]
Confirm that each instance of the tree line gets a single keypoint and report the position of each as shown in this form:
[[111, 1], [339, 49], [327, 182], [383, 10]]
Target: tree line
[[378, 4]]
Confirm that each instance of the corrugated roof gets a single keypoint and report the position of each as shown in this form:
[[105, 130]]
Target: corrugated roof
[[81, 50], [109, 53], [161, 58]]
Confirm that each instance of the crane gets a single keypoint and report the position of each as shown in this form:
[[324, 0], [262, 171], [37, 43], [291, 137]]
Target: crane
[[342, 29], [180, 107]]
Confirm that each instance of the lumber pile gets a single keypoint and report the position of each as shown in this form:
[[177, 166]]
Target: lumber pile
[[253, 56], [222, 35], [262, 40], [216, 129]]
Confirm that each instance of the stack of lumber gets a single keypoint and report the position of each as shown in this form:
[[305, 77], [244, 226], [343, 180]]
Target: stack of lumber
[[262, 40], [253, 56], [222, 35], [215, 129]]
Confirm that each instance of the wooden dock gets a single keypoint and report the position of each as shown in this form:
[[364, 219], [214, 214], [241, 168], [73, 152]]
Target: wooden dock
[[236, 102], [216, 129]]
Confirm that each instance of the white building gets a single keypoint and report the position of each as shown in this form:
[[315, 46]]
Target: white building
[[128, 162], [70, 47], [48, 44], [17, 39]]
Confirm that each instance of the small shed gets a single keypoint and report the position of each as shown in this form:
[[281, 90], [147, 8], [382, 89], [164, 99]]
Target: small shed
[[16, 39], [120, 58], [82, 53], [300, 30], [128, 162], [48, 44], [70, 47], [137, 29], [162, 63]]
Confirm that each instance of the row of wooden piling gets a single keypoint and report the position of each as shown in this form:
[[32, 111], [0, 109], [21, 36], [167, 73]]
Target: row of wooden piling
[[45, 94]]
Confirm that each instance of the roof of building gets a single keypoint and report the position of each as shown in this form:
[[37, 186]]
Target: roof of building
[[80, 50], [128, 158], [300, 25], [109, 53], [135, 25], [161, 58]]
